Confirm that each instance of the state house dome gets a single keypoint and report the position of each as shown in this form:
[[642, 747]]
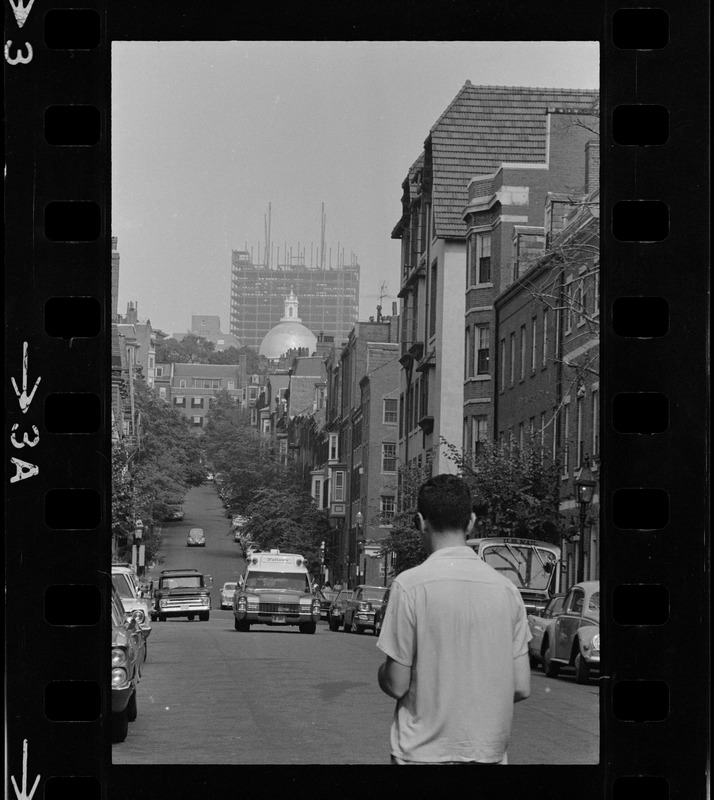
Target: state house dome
[[289, 333]]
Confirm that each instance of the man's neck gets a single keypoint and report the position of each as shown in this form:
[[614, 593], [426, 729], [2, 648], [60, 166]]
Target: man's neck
[[443, 539]]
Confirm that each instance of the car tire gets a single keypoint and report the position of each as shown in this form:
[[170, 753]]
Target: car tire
[[204, 616], [153, 617], [242, 625], [162, 617], [345, 624], [331, 625], [533, 661], [307, 627], [120, 726], [582, 670], [550, 667], [131, 710], [189, 617]]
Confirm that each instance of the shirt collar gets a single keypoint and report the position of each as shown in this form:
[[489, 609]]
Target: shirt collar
[[460, 551]]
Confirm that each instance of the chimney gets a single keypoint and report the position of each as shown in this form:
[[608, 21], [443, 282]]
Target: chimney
[[592, 165], [379, 313]]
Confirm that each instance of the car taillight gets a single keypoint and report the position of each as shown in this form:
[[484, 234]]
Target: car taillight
[[118, 657], [118, 676]]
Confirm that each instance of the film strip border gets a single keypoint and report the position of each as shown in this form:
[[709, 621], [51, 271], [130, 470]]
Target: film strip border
[[655, 214]]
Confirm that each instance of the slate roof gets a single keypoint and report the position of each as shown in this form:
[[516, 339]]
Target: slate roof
[[481, 128]]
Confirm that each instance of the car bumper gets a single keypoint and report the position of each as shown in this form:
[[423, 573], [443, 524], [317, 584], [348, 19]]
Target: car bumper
[[182, 611], [120, 698], [364, 620], [274, 618]]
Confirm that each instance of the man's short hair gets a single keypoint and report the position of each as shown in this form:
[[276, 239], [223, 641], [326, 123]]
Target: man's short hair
[[445, 500]]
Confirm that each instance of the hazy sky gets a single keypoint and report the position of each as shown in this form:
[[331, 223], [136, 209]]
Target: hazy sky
[[207, 134]]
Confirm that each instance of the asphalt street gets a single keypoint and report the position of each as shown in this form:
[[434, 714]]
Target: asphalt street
[[211, 695]]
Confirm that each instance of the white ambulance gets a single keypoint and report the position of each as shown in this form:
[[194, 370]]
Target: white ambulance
[[276, 589]]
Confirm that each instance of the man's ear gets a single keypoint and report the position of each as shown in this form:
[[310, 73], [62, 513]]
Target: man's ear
[[470, 526]]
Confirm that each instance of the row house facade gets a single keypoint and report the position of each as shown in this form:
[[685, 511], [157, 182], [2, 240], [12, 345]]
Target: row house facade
[[486, 167], [191, 388], [547, 367], [353, 454]]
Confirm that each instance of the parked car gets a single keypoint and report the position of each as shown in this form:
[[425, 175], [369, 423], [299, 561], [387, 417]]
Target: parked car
[[325, 596], [182, 593], [196, 538], [134, 600], [572, 638], [379, 614], [249, 548], [227, 592], [336, 613], [127, 643], [361, 607], [174, 513], [537, 623]]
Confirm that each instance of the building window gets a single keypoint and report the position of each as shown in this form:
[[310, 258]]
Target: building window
[[196, 402], [479, 434], [339, 486], [568, 306], [531, 429], [387, 506], [542, 432], [503, 364], [523, 352], [595, 410], [401, 415], [432, 300], [253, 393], [482, 349], [389, 457], [521, 436], [579, 432], [513, 358], [566, 438], [151, 362], [390, 412], [334, 448], [481, 266], [197, 421], [544, 360], [231, 385], [159, 372], [534, 343], [182, 384], [579, 304], [468, 353], [180, 401], [162, 392], [317, 491]]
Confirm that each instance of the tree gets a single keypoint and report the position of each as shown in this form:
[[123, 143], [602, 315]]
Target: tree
[[191, 349], [241, 454], [287, 518], [231, 355], [516, 493]]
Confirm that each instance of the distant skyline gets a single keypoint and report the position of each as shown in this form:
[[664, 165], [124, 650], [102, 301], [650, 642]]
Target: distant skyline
[[205, 135]]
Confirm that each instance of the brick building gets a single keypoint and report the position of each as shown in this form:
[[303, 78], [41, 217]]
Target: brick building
[[486, 129], [547, 364], [191, 388]]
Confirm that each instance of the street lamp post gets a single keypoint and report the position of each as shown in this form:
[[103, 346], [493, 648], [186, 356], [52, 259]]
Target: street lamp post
[[584, 490], [359, 541]]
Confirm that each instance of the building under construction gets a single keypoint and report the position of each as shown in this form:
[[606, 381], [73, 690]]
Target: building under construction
[[328, 297]]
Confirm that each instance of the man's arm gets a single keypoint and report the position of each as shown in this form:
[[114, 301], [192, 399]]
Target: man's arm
[[394, 678], [522, 670]]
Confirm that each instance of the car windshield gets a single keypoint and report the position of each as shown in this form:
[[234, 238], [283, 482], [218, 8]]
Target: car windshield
[[281, 581], [123, 586], [345, 595], [594, 604], [185, 582], [373, 594], [523, 565]]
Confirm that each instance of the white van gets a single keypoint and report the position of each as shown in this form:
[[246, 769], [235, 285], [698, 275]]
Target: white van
[[276, 589]]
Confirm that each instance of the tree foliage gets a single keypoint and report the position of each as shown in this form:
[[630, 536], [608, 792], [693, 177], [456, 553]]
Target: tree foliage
[[516, 492], [166, 465], [193, 349], [287, 518], [243, 457]]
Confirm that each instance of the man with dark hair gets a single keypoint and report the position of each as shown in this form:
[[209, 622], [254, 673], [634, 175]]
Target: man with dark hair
[[456, 639]]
